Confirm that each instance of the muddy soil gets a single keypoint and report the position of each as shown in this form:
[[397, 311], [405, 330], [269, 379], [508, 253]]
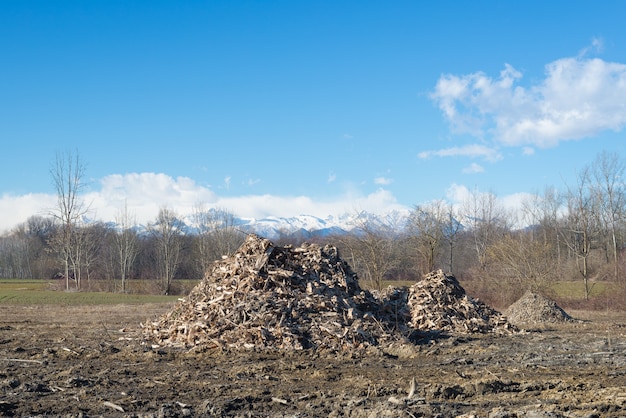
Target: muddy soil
[[91, 361]]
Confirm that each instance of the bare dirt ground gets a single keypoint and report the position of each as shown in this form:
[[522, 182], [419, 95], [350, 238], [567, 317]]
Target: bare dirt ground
[[93, 361]]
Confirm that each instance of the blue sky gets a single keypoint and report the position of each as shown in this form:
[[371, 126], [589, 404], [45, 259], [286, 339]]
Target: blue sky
[[305, 107]]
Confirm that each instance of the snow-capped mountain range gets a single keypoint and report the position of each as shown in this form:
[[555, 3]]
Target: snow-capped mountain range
[[304, 225], [307, 226]]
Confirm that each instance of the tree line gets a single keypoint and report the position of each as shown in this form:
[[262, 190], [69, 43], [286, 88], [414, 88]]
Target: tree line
[[576, 233], [109, 257]]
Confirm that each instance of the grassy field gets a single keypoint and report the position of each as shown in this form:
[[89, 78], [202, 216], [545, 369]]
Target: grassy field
[[37, 292], [562, 289], [576, 289]]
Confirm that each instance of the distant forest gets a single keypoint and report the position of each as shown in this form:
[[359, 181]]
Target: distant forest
[[573, 234]]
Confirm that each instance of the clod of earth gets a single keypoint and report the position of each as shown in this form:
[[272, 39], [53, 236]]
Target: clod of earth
[[268, 296]]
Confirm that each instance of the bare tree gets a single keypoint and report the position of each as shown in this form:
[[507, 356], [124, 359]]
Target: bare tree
[[15, 260], [125, 244], [519, 258], [608, 173], [67, 175], [427, 223], [484, 218], [217, 235], [451, 229], [371, 247], [167, 233], [544, 212], [41, 230], [582, 224], [89, 240]]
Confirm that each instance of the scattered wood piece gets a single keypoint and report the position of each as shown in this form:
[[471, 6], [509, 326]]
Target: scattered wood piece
[[20, 360], [69, 350], [412, 388], [113, 406]]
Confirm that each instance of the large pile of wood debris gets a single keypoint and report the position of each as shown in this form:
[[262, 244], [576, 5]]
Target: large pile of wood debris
[[439, 302], [279, 297], [308, 297], [533, 308]]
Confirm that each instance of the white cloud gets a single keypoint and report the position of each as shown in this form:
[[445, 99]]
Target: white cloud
[[528, 151], [145, 193], [17, 209], [515, 202], [597, 45], [579, 97], [383, 181], [331, 177], [511, 204], [457, 193], [473, 168], [472, 150], [381, 201], [260, 206]]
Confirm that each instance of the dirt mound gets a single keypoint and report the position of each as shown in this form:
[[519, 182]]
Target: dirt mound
[[279, 297], [439, 302], [533, 308]]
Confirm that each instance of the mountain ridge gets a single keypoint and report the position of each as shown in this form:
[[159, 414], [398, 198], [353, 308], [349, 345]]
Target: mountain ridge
[[306, 226]]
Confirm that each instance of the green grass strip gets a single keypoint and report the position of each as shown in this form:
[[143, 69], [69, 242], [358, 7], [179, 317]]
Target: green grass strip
[[50, 297]]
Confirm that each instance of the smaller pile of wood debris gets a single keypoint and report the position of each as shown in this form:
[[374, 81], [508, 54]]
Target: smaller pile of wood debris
[[275, 297], [533, 308], [438, 302]]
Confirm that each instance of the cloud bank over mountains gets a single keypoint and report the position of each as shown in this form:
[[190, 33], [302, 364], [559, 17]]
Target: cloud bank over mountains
[[144, 194]]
